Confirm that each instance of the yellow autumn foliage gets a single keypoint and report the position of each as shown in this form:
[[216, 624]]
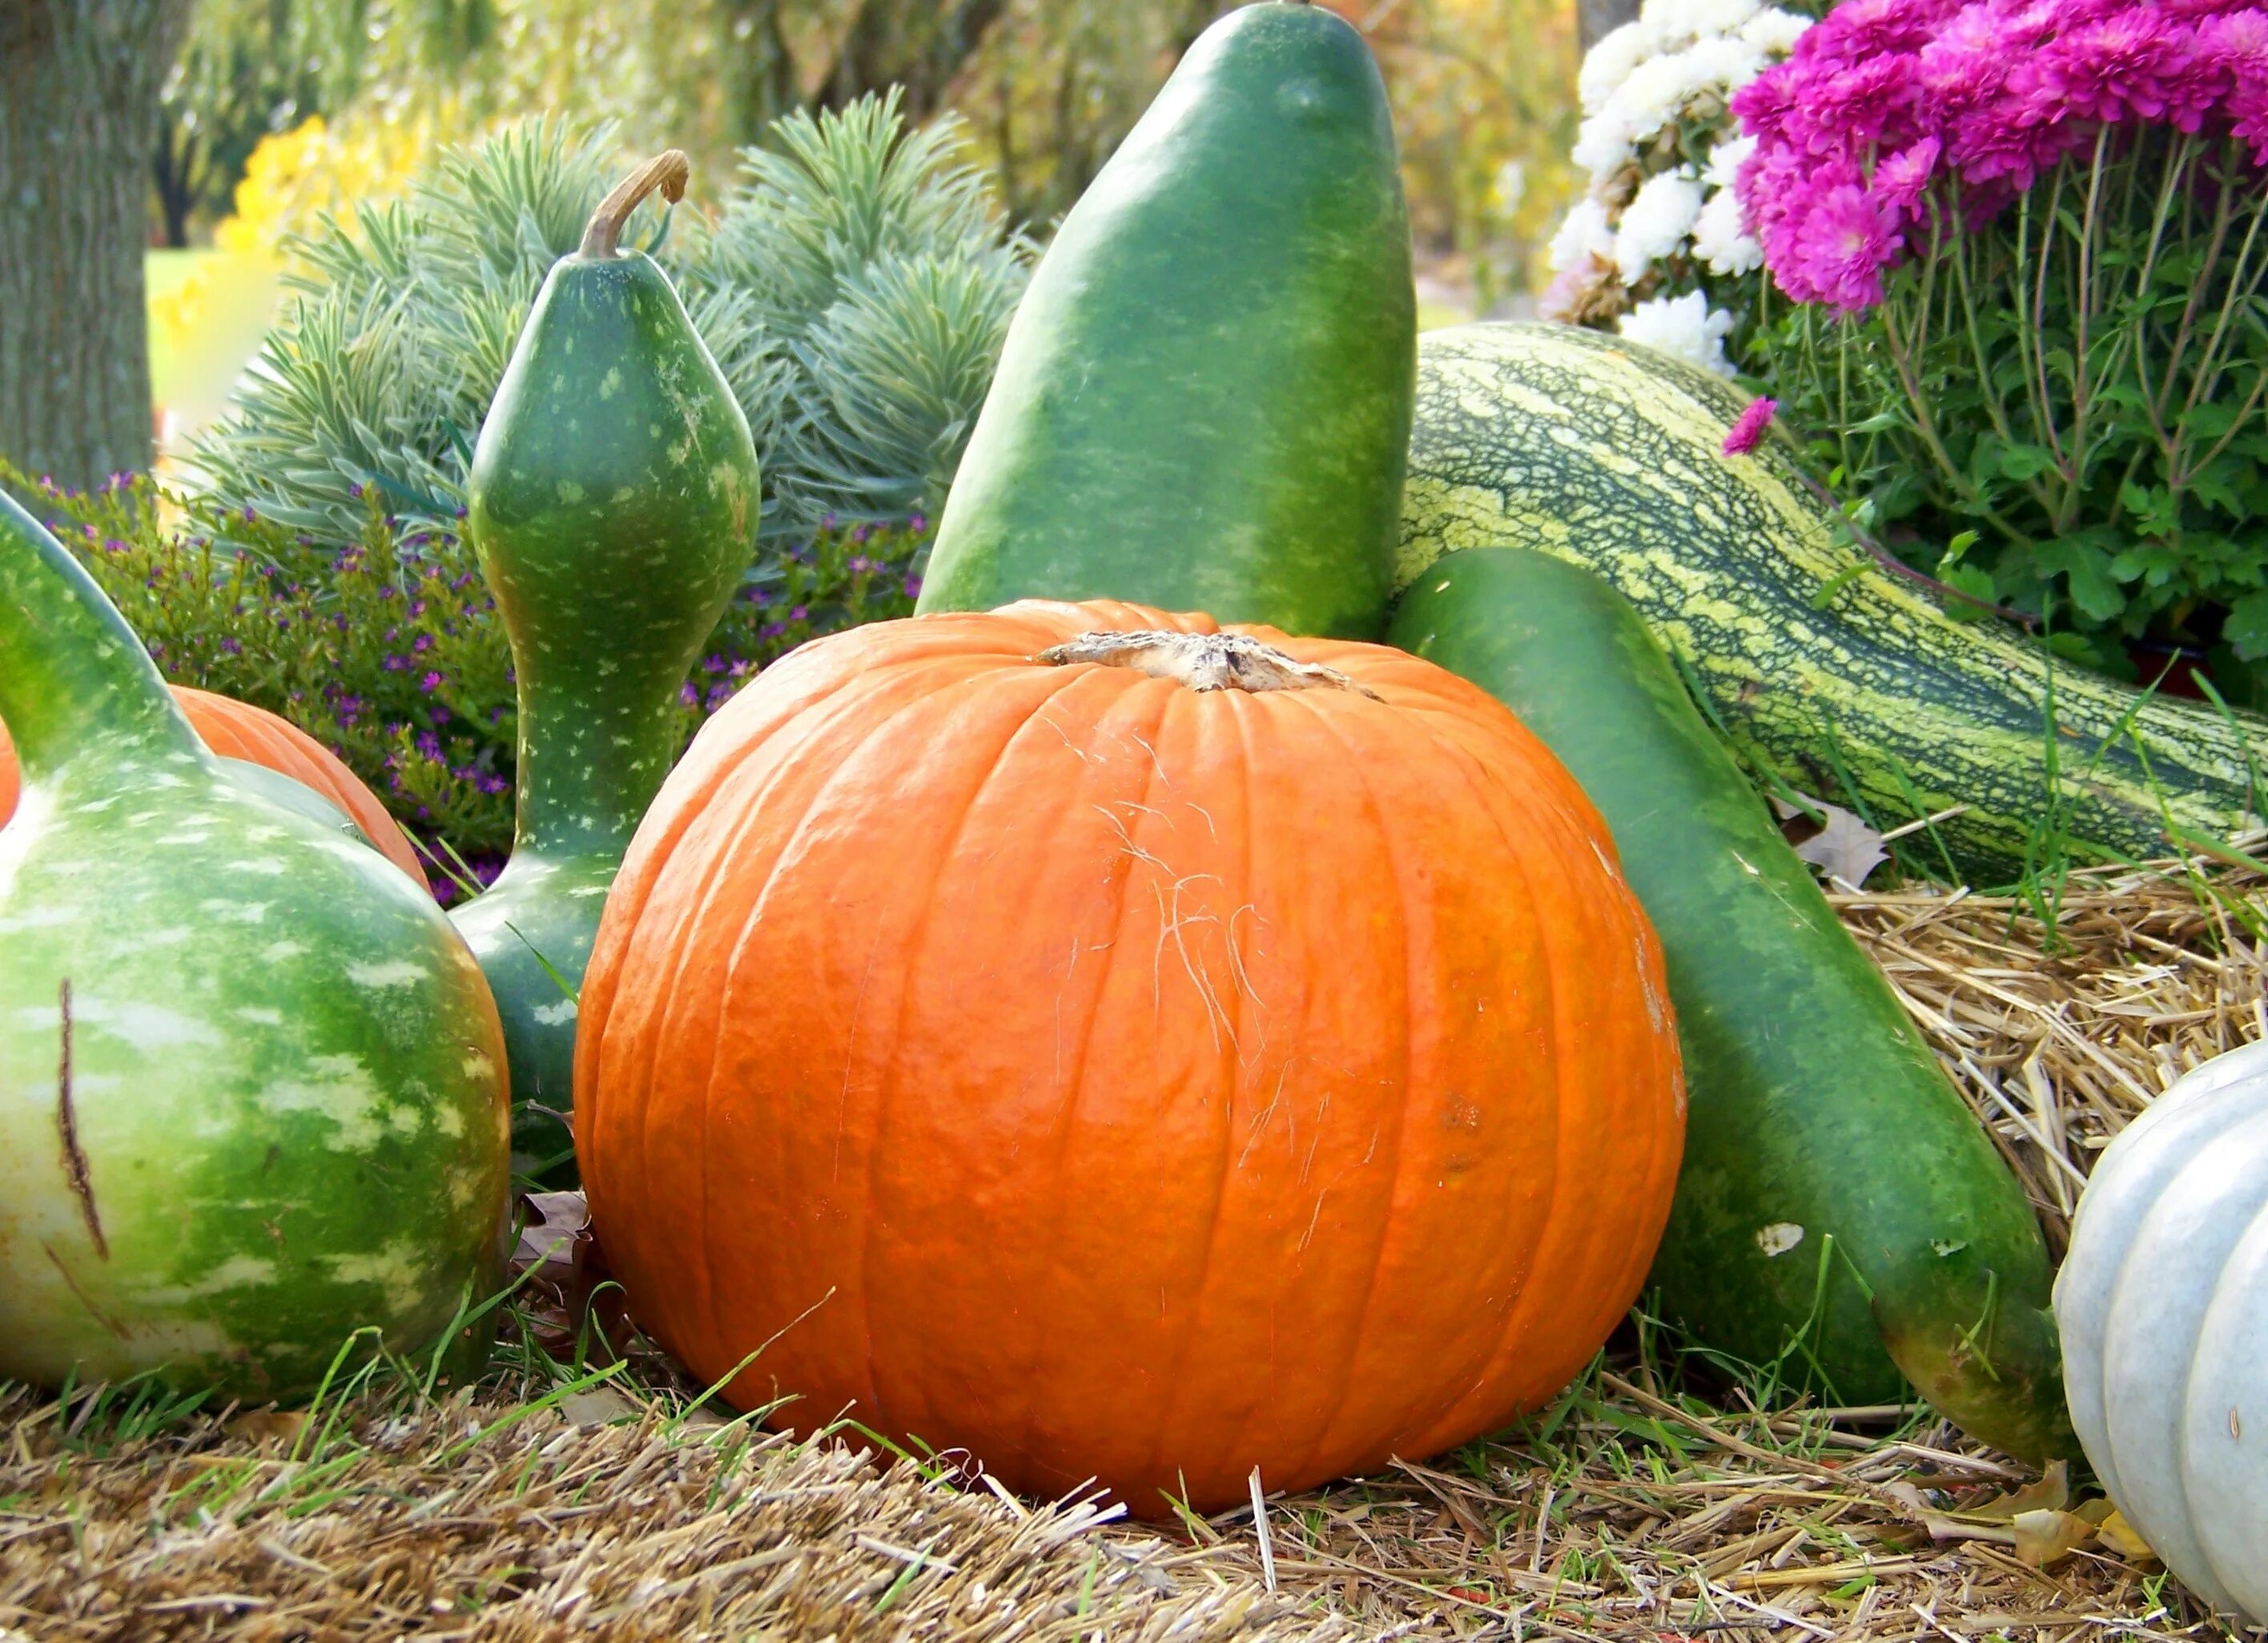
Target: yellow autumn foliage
[[292, 177]]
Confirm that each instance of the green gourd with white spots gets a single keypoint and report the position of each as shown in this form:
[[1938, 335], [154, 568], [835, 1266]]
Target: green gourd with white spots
[[252, 1088], [1839, 673], [614, 508]]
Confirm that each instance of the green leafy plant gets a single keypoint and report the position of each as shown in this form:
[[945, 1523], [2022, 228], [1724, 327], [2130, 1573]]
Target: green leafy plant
[[2072, 404], [855, 290], [2031, 279], [388, 649]]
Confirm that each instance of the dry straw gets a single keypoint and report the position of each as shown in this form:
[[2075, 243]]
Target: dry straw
[[1639, 1506]]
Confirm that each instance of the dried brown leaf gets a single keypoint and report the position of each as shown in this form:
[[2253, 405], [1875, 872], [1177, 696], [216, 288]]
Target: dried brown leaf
[[2047, 1536]]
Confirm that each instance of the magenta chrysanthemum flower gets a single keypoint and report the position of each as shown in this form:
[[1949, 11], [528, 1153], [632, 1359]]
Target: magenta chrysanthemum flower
[[1842, 247], [1893, 113], [1901, 180], [2130, 65], [1858, 107], [1748, 432]]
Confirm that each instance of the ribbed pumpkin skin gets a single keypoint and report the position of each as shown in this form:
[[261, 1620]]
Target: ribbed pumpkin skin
[[2163, 1299], [238, 730], [1117, 1080]]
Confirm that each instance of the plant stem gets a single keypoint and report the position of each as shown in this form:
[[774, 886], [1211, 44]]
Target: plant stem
[[665, 170]]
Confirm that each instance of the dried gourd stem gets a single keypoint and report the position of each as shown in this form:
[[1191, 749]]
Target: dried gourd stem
[[665, 170], [1203, 661]]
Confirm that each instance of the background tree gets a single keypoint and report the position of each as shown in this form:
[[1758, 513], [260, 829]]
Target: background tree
[[80, 81], [248, 68], [1594, 19]]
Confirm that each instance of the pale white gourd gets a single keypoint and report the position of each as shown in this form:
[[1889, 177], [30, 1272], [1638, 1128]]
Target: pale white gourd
[[2163, 1307]]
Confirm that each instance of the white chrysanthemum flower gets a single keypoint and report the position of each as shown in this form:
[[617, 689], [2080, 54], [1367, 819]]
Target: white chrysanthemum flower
[[1721, 17], [1652, 96], [1721, 65], [1656, 221], [1727, 159], [1585, 233], [1678, 22], [1774, 32], [1721, 236], [1686, 327], [1602, 144], [1608, 64]]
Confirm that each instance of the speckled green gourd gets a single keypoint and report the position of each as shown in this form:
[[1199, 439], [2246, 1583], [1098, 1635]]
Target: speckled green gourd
[[614, 508], [1836, 1192], [1203, 402], [252, 1089], [1821, 663]]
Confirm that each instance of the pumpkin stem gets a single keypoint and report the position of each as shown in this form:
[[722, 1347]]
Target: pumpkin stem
[[1203, 661], [667, 171]]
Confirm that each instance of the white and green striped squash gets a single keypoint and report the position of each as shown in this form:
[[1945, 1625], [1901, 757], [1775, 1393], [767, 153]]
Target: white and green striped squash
[[1841, 676]]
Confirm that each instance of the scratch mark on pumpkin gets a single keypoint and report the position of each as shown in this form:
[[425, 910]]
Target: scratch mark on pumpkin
[[1156, 763], [74, 1165], [70, 1283], [1260, 1123]]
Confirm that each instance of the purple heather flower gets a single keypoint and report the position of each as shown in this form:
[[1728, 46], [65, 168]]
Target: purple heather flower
[[1748, 432], [799, 613], [913, 588], [430, 682], [230, 647]]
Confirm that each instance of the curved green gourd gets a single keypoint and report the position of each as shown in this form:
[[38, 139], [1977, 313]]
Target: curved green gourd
[[1204, 400], [251, 1092], [613, 505], [1835, 1190]]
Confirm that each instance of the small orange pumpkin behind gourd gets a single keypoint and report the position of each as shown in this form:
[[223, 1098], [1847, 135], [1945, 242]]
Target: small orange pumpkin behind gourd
[[1122, 1050], [238, 730]]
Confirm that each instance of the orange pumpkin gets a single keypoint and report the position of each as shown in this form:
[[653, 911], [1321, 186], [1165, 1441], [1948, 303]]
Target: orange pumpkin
[[238, 730], [1139, 1061]]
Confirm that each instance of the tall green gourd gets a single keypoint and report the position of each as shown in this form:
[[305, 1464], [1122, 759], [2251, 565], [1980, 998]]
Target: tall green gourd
[[613, 505], [1205, 399], [252, 1091]]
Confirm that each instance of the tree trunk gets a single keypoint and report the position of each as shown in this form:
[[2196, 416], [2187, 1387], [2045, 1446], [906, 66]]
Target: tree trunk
[[920, 47], [1595, 19], [79, 122], [174, 170], [762, 84]]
